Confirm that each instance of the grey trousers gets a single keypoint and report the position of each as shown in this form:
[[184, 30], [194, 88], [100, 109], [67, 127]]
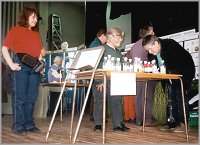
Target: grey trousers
[[114, 102], [139, 100]]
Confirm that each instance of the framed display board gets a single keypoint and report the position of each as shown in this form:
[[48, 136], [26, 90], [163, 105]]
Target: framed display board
[[87, 58]]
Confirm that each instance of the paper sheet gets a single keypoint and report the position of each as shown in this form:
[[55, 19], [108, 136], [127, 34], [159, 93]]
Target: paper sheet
[[122, 83], [88, 58]]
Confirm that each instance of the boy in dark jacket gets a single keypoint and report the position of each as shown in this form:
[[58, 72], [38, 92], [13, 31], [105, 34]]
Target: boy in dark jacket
[[177, 61]]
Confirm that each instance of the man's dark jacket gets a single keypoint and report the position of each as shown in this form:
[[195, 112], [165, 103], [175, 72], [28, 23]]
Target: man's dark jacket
[[177, 60]]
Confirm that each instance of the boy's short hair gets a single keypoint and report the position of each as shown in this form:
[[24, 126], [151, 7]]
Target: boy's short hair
[[101, 32]]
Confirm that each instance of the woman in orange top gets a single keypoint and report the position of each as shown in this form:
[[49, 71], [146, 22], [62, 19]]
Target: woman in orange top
[[25, 82]]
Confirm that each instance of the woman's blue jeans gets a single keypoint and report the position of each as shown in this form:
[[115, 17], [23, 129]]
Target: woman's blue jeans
[[25, 84]]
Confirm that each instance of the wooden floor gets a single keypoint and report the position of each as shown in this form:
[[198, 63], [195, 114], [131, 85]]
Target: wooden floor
[[60, 133]]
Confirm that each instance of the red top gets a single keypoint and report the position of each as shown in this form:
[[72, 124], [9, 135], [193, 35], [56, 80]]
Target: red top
[[23, 40]]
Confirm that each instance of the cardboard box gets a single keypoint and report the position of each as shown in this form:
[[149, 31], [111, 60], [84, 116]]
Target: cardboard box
[[193, 118]]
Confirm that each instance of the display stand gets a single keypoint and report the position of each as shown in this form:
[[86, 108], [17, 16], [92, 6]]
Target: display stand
[[91, 76], [87, 57]]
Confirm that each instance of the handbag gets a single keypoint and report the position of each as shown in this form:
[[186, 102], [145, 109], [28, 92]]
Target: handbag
[[39, 66], [31, 61], [27, 59]]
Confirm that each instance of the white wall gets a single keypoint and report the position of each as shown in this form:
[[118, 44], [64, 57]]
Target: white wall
[[44, 23], [72, 21], [123, 22]]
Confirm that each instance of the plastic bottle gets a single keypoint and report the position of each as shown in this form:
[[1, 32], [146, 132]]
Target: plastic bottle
[[130, 65], [125, 64], [105, 63], [109, 63], [135, 65], [154, 67], [145, 67], [118, 66], [149, 65], [138, 64], [112, 63], [162, 67], [141, 67]]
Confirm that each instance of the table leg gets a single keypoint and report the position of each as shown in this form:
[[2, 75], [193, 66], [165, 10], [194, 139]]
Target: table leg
[[144, 111], [104, 107], [73, 108], [183, 103], [61, 108]]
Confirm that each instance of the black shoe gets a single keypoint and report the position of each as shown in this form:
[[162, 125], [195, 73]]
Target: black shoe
[[21, 132], [121, 128], [34, 130], [98, 128], [122, 124]]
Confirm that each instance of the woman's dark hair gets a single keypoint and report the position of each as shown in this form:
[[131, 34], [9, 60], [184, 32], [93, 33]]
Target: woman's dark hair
[[24, 15], [145, 30]]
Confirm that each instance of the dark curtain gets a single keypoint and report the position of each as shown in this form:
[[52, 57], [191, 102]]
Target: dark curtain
[[166, 17], [120, 8], [95, 20]]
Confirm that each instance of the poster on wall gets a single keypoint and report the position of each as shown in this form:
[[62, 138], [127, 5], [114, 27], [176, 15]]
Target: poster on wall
[[192, 46]]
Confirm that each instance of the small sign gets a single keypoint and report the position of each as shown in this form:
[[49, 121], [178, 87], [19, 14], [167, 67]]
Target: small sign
[[122, 83]]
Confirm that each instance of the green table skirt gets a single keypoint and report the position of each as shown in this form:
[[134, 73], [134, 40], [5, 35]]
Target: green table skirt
[[160, 104]]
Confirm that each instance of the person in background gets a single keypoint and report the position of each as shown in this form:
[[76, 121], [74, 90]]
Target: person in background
[[129, 103], [114, 39], [99, 40], [177, 61], [6, 84], [24, 38], [54, 75], [137, 50]]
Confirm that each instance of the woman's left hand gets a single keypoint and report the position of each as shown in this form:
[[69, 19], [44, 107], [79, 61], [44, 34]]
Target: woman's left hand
[[42, 71]]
